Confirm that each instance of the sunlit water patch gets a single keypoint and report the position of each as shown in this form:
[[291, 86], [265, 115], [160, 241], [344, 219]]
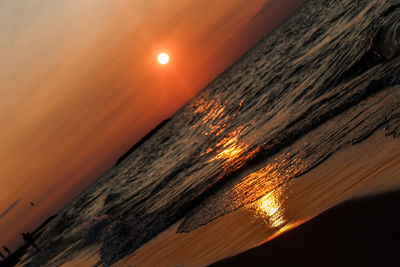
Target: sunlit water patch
[[270, 209]]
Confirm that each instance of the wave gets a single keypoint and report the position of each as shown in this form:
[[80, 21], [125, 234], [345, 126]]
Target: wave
[[388, 39]]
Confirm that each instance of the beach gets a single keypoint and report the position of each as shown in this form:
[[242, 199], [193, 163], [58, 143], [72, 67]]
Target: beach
[[356, 173], [304, 121], [361, 232]]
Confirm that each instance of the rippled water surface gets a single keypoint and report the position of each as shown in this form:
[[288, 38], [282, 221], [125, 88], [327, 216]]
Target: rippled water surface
[[325, 79]]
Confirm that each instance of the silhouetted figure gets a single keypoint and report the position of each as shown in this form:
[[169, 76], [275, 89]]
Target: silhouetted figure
[[6, 249], [28, 238], [1, 255]]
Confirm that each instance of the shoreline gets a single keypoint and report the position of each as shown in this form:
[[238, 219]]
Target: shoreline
[[359, 232], [357, 172]]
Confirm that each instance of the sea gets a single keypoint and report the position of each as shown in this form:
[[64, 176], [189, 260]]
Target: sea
[[329, 75]]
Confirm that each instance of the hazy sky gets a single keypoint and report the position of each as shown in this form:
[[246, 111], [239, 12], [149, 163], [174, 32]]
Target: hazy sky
[[80, 84]]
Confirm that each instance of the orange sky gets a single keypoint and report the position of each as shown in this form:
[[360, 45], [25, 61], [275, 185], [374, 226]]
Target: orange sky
[[80, 85]]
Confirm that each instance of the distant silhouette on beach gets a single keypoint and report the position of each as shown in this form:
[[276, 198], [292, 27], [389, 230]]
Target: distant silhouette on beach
[[28, 238]]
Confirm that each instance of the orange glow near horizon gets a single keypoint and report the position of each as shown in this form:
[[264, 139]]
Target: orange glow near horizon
[[81, 86], [70, 112]]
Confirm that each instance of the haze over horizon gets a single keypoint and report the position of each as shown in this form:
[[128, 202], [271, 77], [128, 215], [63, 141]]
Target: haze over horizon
[[81, 85]]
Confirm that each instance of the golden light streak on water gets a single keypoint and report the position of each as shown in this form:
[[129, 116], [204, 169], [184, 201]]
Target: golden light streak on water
[[230, 150], [261, 192], [258, 184], [264, 192], [270, 208], [214, 115]]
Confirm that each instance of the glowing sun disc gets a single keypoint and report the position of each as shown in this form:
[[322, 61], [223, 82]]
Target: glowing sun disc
[[163, 58]]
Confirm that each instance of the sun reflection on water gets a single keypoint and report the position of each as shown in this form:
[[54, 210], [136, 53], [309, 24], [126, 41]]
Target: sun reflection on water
[[270, 209], [264, 192], [214, 117], [232, 148], [230, 151], [261, 192]]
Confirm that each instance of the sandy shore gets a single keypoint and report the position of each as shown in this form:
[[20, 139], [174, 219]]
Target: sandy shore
[[364, 169], [362, 232]]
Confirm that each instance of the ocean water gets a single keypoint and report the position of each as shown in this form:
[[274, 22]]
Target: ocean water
[[327, 78]]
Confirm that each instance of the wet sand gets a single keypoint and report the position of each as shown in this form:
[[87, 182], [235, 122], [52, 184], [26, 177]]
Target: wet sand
[[362, 232], [88, 257], [362, 170]]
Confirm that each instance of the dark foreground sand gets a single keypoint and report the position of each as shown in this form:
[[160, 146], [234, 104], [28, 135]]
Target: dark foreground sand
[[363, 170], [363, 232]]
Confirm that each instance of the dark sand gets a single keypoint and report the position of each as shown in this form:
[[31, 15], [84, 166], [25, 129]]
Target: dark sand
[[363, 232]]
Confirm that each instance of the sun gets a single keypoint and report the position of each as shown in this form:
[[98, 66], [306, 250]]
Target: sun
[[163, 58]]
